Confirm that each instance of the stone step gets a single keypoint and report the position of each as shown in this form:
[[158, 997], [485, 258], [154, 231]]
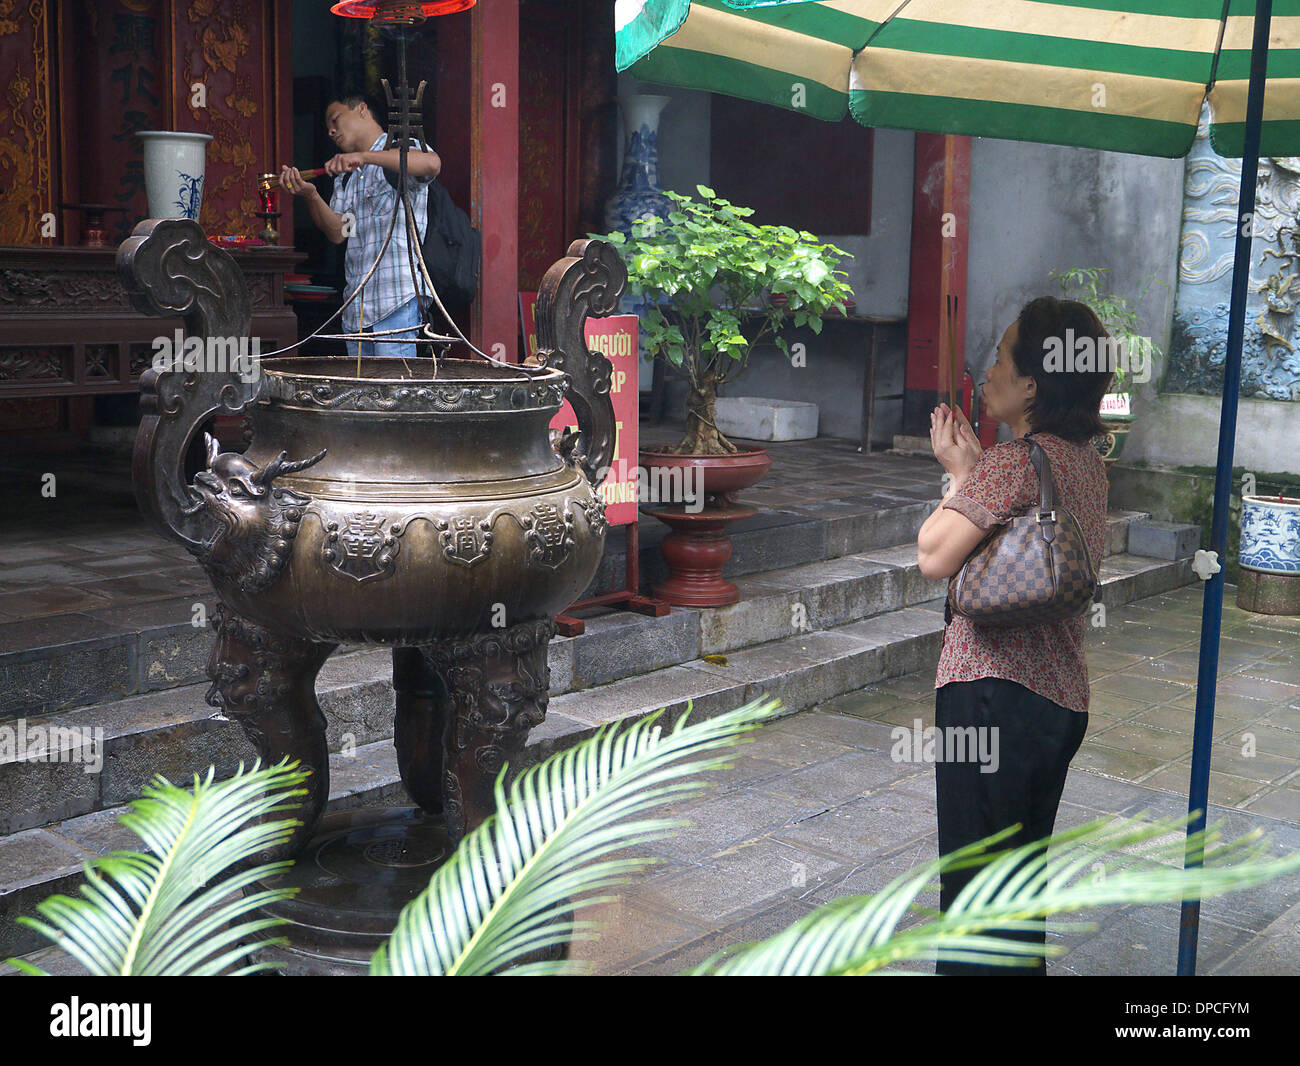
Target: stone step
[[174, 732], [80, 659]]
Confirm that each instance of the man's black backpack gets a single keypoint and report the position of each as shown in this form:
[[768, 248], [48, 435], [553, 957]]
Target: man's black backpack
[[453, 249]]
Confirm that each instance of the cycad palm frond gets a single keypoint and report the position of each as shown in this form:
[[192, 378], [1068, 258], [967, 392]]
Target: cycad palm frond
[[505, 891], [144, 914], [857, 935]]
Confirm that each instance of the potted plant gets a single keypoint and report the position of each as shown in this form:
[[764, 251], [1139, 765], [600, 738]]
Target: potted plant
[[1120, 318], [702, 274]]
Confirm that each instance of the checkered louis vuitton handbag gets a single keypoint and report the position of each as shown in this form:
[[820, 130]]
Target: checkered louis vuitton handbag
[[1032, 570]]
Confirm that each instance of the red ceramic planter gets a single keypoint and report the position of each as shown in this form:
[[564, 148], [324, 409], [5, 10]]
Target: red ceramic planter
[[723, 475], [698, 547]]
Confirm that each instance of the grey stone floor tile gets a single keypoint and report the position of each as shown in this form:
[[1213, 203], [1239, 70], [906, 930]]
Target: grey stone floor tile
[[868, 702], [1115, 763], [766, 923], [742, 880], [720, 821], [1133, 687], [627, 934], [1224, 788], [1143, 740], [838, 780], [864, 827], [869, 878], [1101, 793], [1280, 803], [908, 714], [1275, 952], [1144, 943], [1114, 705], [792, 750], [744, 771], [918, 685], [837, 728]]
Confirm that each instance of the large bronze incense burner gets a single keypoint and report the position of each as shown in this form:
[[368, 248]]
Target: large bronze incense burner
[[380, 501]]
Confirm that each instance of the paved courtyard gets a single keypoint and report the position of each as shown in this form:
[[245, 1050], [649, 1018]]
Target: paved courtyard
[[815, 808]]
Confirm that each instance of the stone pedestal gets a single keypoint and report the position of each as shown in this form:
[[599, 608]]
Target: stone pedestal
[[757, 418], [1268, 593]]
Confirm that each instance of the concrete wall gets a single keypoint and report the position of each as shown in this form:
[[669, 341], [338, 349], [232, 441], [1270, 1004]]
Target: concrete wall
[[835, 372], [1036, 208], [1180, 429]]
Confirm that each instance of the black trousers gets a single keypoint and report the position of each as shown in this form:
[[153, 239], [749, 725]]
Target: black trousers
[[1034, 740]]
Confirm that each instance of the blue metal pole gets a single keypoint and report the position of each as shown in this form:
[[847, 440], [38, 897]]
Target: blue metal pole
[[1212, 607]]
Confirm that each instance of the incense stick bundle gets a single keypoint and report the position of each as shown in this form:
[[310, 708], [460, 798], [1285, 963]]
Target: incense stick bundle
[[953, 377]]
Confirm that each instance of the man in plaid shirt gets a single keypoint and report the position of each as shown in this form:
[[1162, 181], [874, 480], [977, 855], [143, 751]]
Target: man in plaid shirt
[[359, 211]]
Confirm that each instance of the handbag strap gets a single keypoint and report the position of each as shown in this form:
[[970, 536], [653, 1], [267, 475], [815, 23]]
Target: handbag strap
[[1046, 479]]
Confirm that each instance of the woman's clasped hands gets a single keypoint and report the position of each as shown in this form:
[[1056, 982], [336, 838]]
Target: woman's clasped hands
[[954, 442]]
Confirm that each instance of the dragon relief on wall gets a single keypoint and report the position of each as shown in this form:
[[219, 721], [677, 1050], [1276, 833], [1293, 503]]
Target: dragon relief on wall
[[1270, 363]]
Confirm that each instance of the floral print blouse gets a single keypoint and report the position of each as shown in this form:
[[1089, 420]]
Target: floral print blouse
[[1047, 659]]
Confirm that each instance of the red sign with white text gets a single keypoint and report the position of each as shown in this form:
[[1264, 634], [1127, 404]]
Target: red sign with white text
[[615, 337]]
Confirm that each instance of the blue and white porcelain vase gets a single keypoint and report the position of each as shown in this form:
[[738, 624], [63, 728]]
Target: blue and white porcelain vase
[[174, 164], [639, 195], [1270, 534], [638, 191]]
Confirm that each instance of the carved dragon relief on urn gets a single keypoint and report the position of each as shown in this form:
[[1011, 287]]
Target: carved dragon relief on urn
[[410, 503]]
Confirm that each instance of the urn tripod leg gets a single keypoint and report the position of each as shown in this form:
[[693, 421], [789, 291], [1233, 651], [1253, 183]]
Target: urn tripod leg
[[497, 687], [422, 710], [266, 682]]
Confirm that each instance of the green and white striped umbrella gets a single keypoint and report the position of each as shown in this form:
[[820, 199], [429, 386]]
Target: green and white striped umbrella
[[1123, 75]]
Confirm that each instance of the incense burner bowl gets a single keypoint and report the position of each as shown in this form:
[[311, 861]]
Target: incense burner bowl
[[421, 509], [384, 501]]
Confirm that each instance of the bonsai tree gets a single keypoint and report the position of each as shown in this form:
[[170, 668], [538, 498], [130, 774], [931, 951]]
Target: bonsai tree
[[700, 273], [1090, 285]]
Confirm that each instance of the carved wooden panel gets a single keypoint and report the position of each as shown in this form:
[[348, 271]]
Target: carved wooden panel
[[100, 362], [139, 359], [21, 365], [26, 140], [57, 293], [237, 50]]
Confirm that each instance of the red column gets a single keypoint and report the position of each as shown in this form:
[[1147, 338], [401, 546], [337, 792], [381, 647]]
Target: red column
[[494, 173], [940, 239]]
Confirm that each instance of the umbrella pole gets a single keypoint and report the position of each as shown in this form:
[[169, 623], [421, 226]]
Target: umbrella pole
[[1212, 607]]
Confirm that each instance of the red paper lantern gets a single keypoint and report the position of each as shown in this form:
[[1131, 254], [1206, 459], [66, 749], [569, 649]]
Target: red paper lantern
[[399, 10]]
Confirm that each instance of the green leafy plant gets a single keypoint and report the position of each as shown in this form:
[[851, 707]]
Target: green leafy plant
[[701, 274], [167, 911], [508, 891], [1091, 285], [509, 886]]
